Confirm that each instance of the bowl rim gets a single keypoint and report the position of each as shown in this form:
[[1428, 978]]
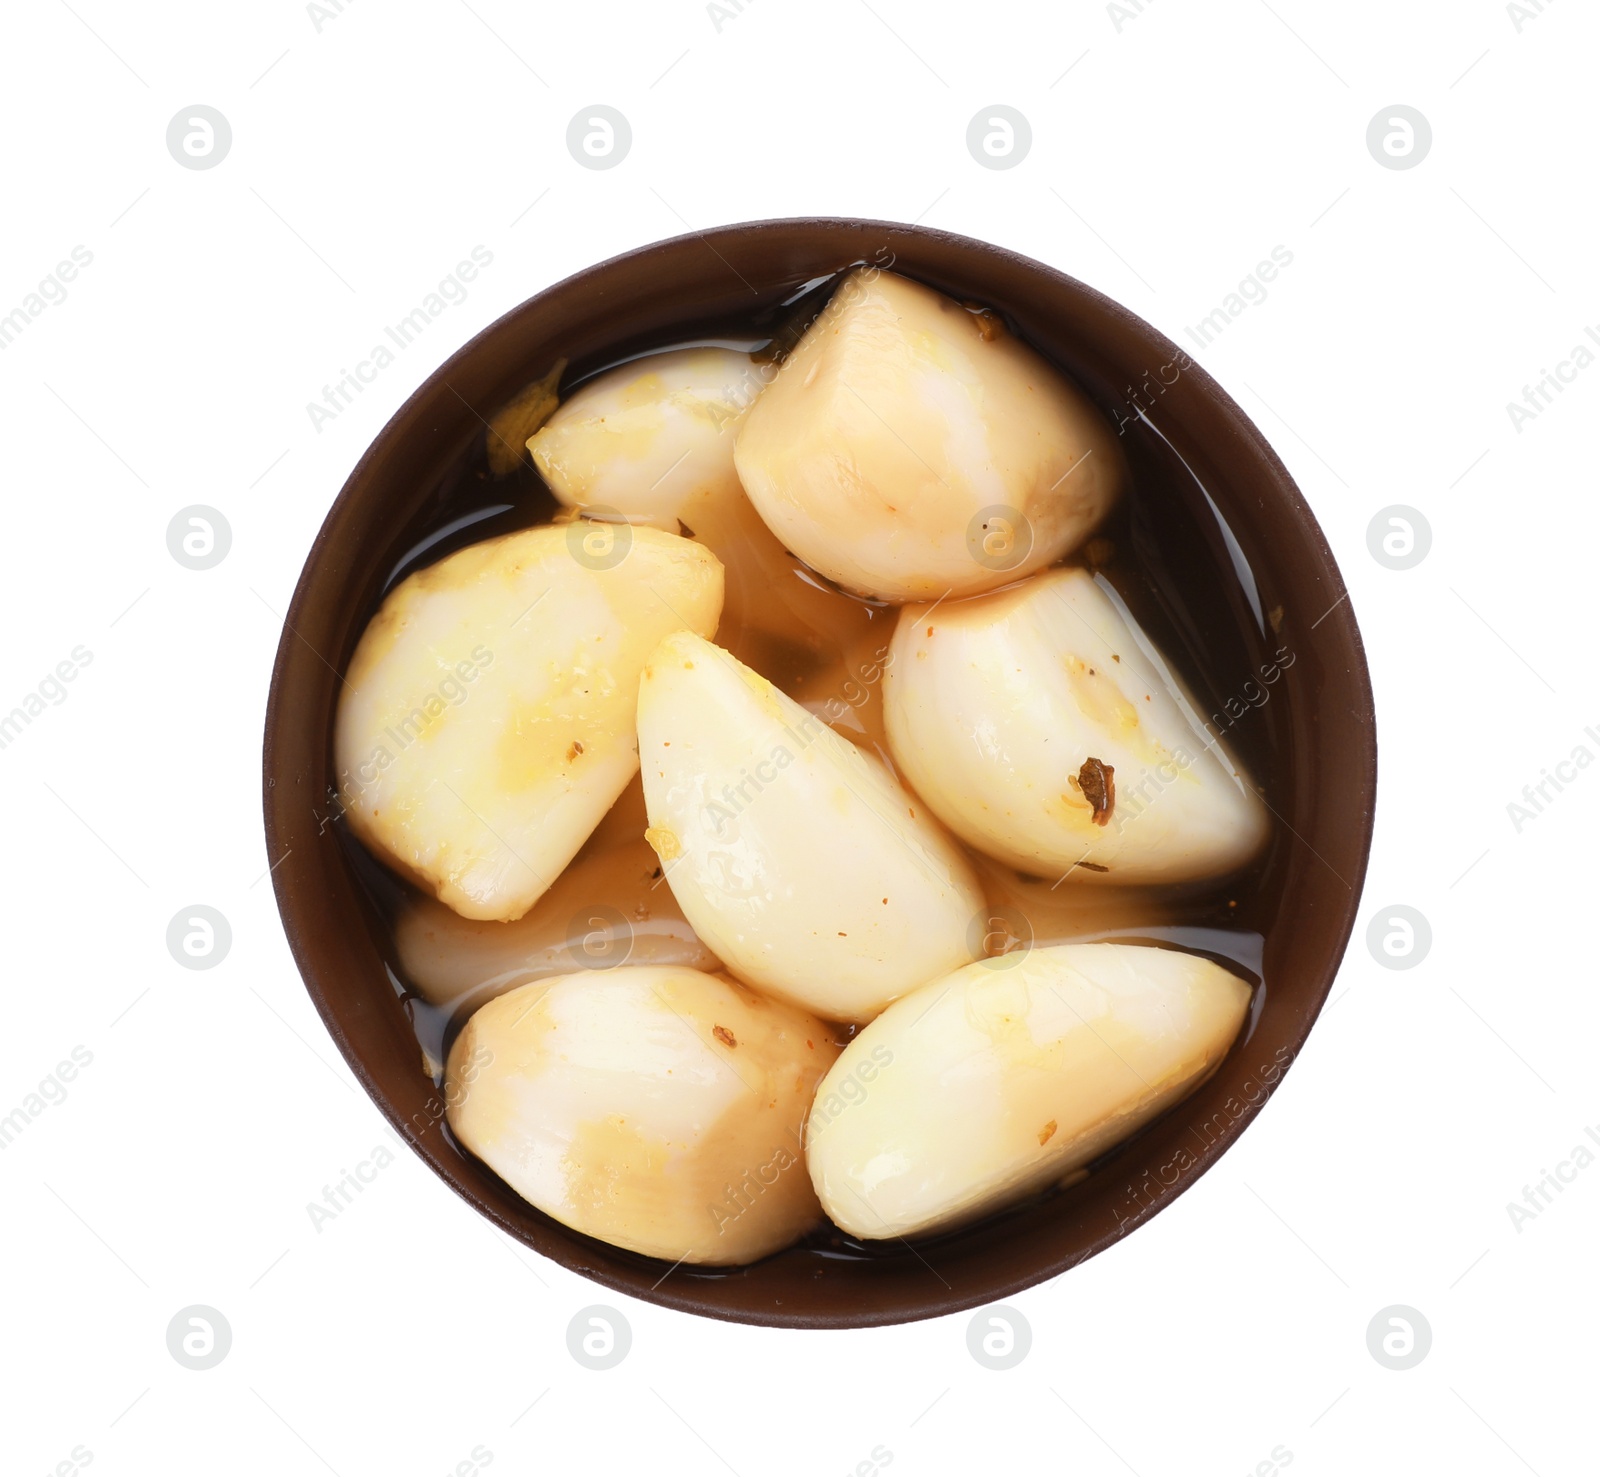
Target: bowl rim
[[1220, 404]]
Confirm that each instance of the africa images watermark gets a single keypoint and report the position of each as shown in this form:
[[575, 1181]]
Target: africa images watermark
[[330, 10], [1541, 395], [855, 692], [1528, 10], [740, 1197], [1134, 797], [450, 692], [1143, 1192], [50, 690], [50, 293], [454, 1093], [1539, 1196], [337, 1198], [1140, 401], [1540, 795], [1125, 13], [853, 1089], [721, 14], [1153, 384], [1250, 293], [50, 1093], [451, 292], [738, 397]]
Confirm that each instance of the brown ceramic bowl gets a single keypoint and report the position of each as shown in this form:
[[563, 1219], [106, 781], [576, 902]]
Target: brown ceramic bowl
[[1211, 499]]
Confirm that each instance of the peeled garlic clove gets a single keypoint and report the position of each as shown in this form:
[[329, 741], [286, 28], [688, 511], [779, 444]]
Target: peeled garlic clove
[[909, 448], [651, 439], [1043, 727], [1009, 1075], [652, 442], [485, 723], [658, 1109], [799, 860], [610, 907]]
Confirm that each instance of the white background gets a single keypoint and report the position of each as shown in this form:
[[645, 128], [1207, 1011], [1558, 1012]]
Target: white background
[[1172, 149]]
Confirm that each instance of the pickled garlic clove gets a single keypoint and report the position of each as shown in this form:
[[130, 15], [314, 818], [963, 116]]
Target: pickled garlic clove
[[908, 451], [486, 722], [1008, 1076], [798, 859], [1043, 727], [658, 1109], [651, 440]]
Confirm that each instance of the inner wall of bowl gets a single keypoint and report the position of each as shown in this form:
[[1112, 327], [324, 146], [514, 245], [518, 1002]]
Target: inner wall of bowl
[[1306, 744]]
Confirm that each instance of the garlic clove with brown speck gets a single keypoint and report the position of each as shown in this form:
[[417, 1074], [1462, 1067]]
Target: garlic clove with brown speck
[[1042, 725]]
